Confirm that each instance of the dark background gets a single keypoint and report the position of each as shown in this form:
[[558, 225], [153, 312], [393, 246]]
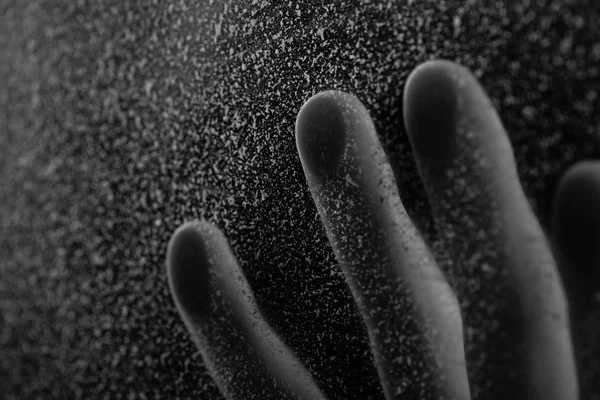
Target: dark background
[[119, 120]]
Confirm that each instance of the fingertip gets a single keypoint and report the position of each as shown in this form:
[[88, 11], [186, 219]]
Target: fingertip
[[577, 216], [322, 129], [430, 107], [430, 74], [581, 178], [188, 264]]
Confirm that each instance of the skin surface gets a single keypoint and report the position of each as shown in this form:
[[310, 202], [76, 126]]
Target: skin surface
[[122, 119]]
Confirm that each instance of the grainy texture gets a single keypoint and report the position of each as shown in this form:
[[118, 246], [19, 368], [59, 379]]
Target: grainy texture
[[121, 119]]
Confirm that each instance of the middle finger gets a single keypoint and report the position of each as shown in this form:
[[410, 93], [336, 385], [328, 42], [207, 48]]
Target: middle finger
[[518, 340]]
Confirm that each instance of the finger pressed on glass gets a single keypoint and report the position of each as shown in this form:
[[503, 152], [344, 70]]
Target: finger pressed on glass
[[412, 317], [243, 354], [499, 253]]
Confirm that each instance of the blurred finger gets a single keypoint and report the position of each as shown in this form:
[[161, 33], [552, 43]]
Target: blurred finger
[[411, 315], [242, 352], [519, 344]]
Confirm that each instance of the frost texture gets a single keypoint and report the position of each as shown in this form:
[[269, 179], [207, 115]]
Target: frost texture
[[122, 119]]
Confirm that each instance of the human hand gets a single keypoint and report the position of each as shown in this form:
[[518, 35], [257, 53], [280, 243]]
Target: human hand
[[408, 304]]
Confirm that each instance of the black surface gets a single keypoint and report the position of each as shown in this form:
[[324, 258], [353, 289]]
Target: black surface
[[121, 119]]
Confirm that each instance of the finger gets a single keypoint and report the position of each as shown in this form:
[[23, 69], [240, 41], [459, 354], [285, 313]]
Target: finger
[[410, 313], [577, 239], [513, 304], [242, 352], [577, 230]]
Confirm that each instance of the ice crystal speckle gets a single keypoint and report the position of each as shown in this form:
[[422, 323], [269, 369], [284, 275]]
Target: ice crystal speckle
[[120, 120]]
